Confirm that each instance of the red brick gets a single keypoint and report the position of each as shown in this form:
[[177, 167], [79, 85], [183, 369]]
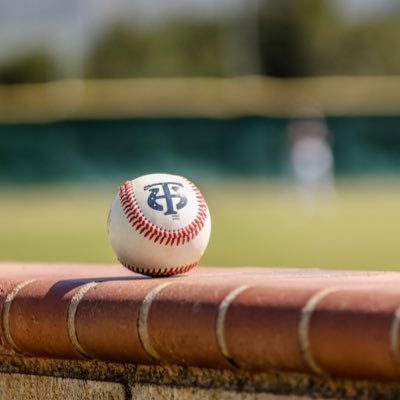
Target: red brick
[[107, 319], [182, 322], [38, 318], [349, 332]]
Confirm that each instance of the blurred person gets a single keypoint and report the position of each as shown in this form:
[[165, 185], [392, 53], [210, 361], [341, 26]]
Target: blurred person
[[311, 159]]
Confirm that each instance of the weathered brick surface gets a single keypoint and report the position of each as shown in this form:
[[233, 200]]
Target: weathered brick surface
[[154, 392], [329, 323], [34, 387], [28, 378]]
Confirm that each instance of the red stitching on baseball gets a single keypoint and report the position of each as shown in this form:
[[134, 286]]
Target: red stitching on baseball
[[146, 228], [160, 271]]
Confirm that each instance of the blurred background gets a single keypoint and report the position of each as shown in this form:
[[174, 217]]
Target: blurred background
[[286, 113]]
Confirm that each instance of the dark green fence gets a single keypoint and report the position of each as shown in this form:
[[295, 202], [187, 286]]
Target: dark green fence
[[99, 150]]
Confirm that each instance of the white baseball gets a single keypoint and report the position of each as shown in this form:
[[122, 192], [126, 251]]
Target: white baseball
[[159, 225]]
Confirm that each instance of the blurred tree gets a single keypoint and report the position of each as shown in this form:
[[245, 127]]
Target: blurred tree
[[282, 38], [291, 35], [371, 47], [120, 52], [186, 49], [36, 66], [175, 49], [240, 45], [310, 37]]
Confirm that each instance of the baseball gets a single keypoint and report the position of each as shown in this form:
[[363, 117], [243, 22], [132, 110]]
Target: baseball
[[159, 225]]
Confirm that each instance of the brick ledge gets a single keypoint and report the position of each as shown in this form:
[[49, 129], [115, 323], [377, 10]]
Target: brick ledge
[[327, 323]]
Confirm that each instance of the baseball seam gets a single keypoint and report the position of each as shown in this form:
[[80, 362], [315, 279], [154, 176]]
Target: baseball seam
[[151, 231], [160, 272]]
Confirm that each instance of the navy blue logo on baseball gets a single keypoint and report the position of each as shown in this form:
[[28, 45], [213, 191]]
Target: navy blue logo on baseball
[[162, 197]]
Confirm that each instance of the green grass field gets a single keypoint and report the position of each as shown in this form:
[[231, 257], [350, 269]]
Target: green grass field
[[254, 223]]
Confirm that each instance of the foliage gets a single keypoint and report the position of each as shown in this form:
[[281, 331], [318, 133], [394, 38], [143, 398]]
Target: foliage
[[291, 33], [294, 38], [176, 49], [33, 67], [309, 37], [282, 38]]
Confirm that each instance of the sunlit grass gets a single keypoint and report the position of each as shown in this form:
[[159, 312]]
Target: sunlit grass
[[255, 223]]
